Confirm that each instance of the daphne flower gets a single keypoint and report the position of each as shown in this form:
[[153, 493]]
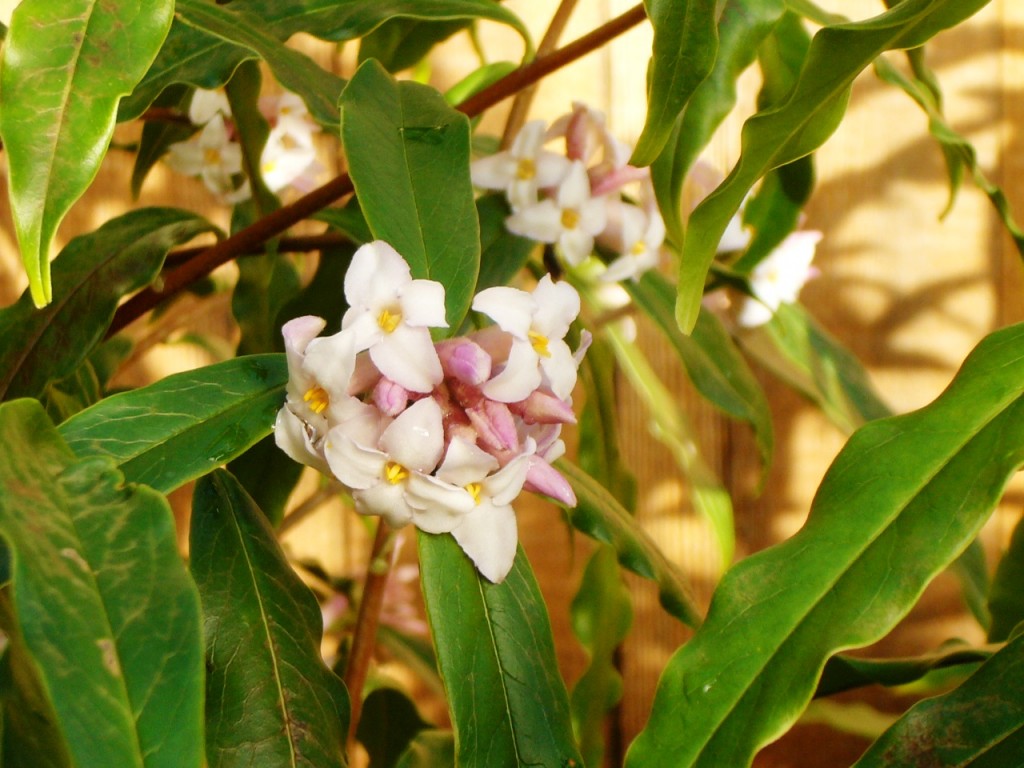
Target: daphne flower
[[390, 314], [390, 473], [289, 156], [212, 156], [570, 220], [206, 105], [537, 323], [488, 532], [637, 235], [778, 278], [523, 169]]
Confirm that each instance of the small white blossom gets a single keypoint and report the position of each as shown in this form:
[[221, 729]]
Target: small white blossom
[[637, 235], [212, 156], [778, 278], [523, 169]]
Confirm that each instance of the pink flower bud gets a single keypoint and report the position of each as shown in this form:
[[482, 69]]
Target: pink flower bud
[[543, 478], [495, 426], [464, 360], [390, 397], [543, 408]]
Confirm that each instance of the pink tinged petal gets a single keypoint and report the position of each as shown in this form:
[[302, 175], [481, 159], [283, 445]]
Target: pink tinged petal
[[407, 357], [574, 190], [330, 361], [559, 368], [505, 485], [519, 377], [550, 169], [545, 479], [614, 179], [586, 339], [558, 304], [543, 408], [416, 438], [511, 308], [422, 304], [464, 360], [355, 465], [386, 500], [541, 222], [465, 463], [293, 436], [495, 425], [297, 333], [488, 535], [390, 397], [375, 276], [438, 507]]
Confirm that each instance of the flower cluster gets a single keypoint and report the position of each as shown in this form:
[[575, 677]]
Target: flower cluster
[[575, 200], [214, 155], [443, 435]]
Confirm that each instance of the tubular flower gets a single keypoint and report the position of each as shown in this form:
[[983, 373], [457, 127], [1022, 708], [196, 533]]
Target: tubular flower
[[778, 278], [636, 235], [214, 157], [522, 170]]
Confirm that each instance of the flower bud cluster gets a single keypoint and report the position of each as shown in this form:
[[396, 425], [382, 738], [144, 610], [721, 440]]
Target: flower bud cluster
[[442, 435], [574, 200]]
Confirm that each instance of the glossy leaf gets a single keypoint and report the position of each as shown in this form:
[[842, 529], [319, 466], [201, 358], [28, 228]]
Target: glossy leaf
[[400, 43], [295, 71], [914, 489], [843, 672], [408, 155], [1006, 599], [794, 347], [602, 613], [803, 122], [683, 54], [65, 67], [712, 361], [743, 25], [428, 750], [503, 254], [183, 426], [270, 700], [388, 724], [979, 724], [601, 517], [495, 639], [91, 275], [104, 605]]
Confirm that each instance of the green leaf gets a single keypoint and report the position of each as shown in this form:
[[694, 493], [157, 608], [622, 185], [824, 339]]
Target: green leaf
[[91, 275], [912, 490], [270, 700], [158, 135], [800, 352], [843, 672], [268, 475], [429, 749], [495, 640], [400, 43], [803, 122], [183, 426], [389, 723], [408, 155], [295, 71], [980, 724], [744, 24], [712, 361], [683, 54], [774, 212], [602, 614], [503, 254], [601, 517], [65, 67], [971, 569], [104, 605], [1006, 599]]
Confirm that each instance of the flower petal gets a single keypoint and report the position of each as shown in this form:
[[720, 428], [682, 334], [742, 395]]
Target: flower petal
[[407, 357], [488, 535], [416, 438], [511, 308], [519, 378]]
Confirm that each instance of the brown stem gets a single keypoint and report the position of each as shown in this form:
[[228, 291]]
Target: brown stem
[[276, 222], [299, 244], [364, 639], [523, 99], [165, 115]]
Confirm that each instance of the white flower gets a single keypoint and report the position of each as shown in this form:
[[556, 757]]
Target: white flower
[[778, 278], [212, 156], [288, 155], [390, 472], [523, 169], [635, 233], [390, 313], [537, 323], [206, 105], [570, 220]]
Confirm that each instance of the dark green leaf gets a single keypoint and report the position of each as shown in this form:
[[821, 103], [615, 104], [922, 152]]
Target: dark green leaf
[[774, 212], [503, 254], [429, 749], [743, 25], [408, 155], [1006, 600], [324, 295], [843, 672], [711, 359], [602, 614], [268, 475], [388, 725], [495, 639], [103, 603], [979, 724], [183, 426], [400, 43], [803, 122], [270, 700], [158, 135], [293, 70], [912, 490], [348, 220], [91, 275], [414, 652], [971, 569], [685, 46], [601, 517], [65, 67]]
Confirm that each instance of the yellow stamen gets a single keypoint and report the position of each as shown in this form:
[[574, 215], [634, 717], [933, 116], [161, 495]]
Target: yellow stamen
[[639, 248], [526, 170], [395, 473], [570, 218], [317, 398], [212, 156], [540, 343], [388, 320], [474, 491]]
